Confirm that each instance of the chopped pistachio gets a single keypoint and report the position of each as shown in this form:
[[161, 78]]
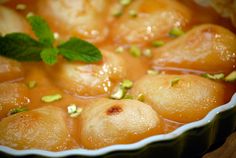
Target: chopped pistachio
[[17, 110], [135, 51], [117, 13], [56, 35], [21, 7], [119, 93], [128, 96], [51, 98], [30, 14], [231, 77], [125, 2], [117, 10], [73, 110], [119, 49], [219, 76], [152, 72], [127, 84], [176, 32], [174, 81], [133, 13], [158, 43], [140, 97], [31, 84], [147, 53]]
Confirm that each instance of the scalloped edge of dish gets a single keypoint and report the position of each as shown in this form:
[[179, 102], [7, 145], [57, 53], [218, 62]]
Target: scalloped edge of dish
[[126, 147]]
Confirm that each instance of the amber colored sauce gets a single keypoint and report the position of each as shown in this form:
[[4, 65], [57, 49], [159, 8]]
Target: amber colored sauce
[[206, 15], [136, 66]]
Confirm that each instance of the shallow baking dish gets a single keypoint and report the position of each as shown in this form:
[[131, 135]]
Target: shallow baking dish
[[190, 140]]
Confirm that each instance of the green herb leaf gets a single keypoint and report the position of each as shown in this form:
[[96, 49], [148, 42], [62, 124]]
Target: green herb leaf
[[49, 55], [21, 47], [41, 30], [77, 49]]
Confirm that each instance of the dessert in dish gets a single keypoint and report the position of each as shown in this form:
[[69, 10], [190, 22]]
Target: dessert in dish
[[90, 74]]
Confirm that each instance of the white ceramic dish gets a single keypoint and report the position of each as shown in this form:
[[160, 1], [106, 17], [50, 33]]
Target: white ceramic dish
[[173, 143]]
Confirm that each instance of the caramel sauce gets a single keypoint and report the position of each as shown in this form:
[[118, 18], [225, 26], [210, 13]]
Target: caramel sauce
[[137, 67]]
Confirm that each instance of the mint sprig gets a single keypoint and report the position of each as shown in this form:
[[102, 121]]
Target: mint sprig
[[49, 55], [87, 52], [22, 47], [41, 30]]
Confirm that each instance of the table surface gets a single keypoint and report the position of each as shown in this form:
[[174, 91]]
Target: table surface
[[227, 150]]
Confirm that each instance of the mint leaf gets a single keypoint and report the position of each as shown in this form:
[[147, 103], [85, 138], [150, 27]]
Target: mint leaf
[[21, 47], [41, 30], [77, 49], [49, 55]]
